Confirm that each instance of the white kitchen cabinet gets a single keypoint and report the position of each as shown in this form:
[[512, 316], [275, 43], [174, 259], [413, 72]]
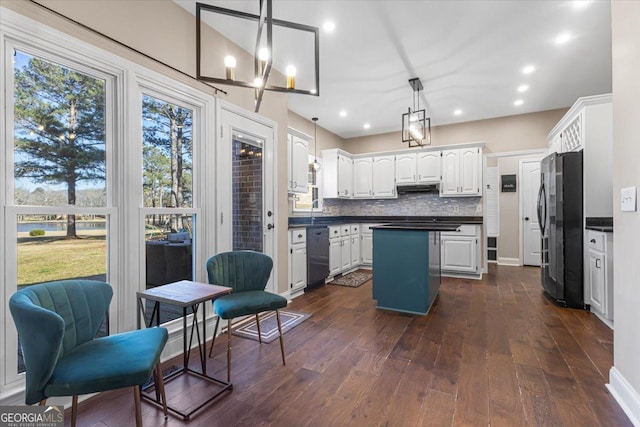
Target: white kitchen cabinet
[[600, 274], [337, 166], [355, 245], [406, 168], [366, 245], [459, 255], [384, 177], [428, 166], [297, 260], [461, 172], [345, 253], [298, 149], [362, 178]]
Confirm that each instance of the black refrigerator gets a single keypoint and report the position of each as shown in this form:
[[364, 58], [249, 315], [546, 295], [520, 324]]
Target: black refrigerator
[[561, 228]]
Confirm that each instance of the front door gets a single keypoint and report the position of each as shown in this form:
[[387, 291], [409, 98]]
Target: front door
[[246, 215], [530, 184]]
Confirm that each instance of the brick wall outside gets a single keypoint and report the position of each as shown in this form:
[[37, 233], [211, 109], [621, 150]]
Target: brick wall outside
[[247, 197]]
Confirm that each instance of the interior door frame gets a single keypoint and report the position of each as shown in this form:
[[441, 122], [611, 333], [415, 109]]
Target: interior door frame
[[221, 237], [541, 152], [521, 204]]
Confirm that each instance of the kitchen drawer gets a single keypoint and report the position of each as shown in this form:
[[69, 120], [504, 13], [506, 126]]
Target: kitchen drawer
[[334, 231], [596, 240], [298, 235], [463, 230], [345, 230], [355, 229]]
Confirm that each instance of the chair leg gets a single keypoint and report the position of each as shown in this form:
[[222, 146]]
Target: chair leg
[[280, 331], [213, 340], [160, 387], [74, 410], [229, 350], [138, 409], [258, 325]]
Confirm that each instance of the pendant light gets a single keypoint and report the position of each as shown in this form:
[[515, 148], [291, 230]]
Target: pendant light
[[316, 165]]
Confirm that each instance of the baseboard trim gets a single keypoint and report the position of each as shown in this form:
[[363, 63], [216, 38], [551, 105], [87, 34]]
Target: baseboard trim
[[625, 395], [513, 262]]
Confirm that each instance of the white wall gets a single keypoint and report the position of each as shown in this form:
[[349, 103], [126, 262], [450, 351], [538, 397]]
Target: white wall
[[625, 375]]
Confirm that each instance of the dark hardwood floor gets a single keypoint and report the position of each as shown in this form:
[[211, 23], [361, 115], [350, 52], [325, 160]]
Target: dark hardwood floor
[[491, 352]]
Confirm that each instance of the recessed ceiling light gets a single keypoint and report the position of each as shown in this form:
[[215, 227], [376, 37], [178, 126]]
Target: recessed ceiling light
[[528, 69], [518, 102], [329, 26], [563, 38], [579, 4], [343, 113], [457, 112], [366, 126], [523, 88]]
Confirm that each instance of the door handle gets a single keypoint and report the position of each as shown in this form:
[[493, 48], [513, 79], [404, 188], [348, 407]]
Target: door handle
[[526, 218], [597, 263], [270, 226], [592, 240]]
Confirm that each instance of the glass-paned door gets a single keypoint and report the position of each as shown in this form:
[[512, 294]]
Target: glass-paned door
[[246, 186]]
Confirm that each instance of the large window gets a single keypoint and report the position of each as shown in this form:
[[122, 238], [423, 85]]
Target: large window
[[59, 153]]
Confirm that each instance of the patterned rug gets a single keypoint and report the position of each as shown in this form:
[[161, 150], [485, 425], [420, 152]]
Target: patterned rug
[[269, 325], [353, 279]]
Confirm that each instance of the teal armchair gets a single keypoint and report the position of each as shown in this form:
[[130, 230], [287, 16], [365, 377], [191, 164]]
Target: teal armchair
[[247, 273], [57, 323]]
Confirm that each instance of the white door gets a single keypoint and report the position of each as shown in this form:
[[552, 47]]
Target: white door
[[458, 253], [245, 214], [298, 266], [429, 166], [362, 175], [596, 281], [335, 256], [406, 168], [345, 176], [299, 164], [367, 248], [469, 170], [355, 250], [529, 185], [345, 254]]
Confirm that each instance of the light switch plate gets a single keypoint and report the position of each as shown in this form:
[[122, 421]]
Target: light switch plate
[[628, 199]]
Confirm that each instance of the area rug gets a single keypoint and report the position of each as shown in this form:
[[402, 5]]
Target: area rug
[[269, 325], [353, 279]]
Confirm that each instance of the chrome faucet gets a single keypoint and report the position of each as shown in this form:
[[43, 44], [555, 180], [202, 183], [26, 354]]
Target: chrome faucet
[[312, 202]]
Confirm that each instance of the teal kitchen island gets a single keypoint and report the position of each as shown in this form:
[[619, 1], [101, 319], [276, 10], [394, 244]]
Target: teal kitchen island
[[406, 265]]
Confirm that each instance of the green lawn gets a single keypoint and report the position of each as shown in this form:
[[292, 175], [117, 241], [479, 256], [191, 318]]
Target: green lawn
[[45, 259]]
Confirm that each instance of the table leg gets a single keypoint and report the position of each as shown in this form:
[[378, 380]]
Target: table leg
[[204, 341], [185, 355]]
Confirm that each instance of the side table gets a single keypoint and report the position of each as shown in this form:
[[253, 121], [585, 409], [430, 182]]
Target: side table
[[184, 294]]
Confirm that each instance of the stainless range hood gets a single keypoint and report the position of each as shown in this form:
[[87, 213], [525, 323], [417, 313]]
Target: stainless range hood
[[421, 188]]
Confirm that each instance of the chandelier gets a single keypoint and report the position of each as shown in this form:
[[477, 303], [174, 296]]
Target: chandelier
[[416, 126], [263, 52]]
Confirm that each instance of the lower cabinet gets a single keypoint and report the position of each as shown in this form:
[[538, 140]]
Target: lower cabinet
[[599, 274], [459, 251], [297, 260], [335, 256], [344, 248], [366, 243]]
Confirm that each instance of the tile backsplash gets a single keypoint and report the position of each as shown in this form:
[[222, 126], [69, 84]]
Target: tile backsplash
[[414, 204]]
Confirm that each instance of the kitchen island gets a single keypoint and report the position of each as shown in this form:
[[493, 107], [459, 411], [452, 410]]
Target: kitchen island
[[406, 265]]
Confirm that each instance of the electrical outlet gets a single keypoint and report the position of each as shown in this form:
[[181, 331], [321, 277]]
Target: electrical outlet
[[456, 209]]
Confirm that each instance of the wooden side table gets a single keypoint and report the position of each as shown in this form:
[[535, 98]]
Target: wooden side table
[[184, 294]]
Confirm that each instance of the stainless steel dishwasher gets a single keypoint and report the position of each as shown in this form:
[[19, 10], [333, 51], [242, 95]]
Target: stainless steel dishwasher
[[317, 255]]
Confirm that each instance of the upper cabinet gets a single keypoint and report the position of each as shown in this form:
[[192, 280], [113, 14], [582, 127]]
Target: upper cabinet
[[457, 168], [298, 151], [588, 126], [384, 177], [362, 178], [338, 174], [418, 168], [461, 172]]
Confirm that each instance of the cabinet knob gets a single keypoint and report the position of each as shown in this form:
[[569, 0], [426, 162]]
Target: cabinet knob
[[299, 236], [592, 240]]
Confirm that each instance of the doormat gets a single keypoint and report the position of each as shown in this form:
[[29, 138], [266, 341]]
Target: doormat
[[269, 325], [353, 279]]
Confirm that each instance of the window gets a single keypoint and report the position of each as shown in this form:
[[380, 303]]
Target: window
[[313, 197], [60, 165]]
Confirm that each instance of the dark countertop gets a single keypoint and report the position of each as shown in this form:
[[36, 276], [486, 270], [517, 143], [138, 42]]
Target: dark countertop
[[603, 224], [423, 226], [305, 221]]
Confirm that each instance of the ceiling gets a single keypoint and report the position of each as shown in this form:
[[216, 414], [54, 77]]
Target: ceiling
[[469, 56]]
